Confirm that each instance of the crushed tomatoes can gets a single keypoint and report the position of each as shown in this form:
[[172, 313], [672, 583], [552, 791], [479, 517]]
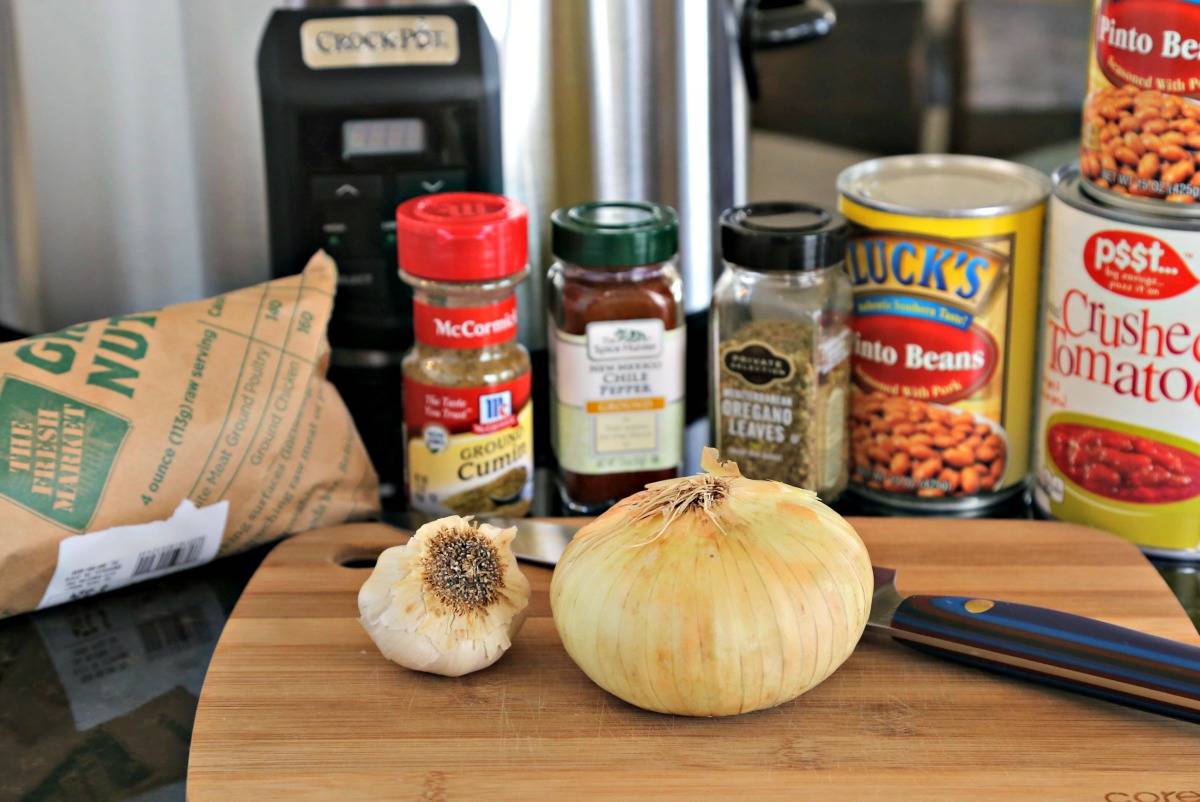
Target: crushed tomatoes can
[[1118, 428], [944, 257], [1141, 121]]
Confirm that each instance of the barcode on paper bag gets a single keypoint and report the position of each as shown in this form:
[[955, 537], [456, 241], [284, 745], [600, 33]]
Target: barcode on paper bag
[[169, 557]]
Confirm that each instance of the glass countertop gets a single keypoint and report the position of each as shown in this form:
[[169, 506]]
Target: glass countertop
[[97, 697]]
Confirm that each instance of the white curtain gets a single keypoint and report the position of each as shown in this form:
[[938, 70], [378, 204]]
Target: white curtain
[[146, 150]]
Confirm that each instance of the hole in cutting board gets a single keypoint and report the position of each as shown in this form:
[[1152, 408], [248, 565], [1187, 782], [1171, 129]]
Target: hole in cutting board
[[357, 558]]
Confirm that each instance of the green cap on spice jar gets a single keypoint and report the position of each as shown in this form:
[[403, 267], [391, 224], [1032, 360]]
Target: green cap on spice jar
[[615, 233]]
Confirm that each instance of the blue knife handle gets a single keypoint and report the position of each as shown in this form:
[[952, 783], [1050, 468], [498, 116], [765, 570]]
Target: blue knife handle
[[1066, 651]]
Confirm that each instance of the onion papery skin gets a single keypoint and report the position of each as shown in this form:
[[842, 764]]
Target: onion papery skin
[[738, 607]]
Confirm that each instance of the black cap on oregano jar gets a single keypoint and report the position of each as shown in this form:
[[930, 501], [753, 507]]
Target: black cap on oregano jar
[[783, 235], [615, 233]]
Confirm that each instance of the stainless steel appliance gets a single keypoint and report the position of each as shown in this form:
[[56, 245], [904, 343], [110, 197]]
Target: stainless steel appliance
[[633, 100], [630, 99], [640, 99]]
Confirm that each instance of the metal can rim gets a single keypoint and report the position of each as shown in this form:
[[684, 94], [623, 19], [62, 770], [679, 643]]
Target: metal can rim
[[1038, 181], [978, 504], [1177, 211], [1070, 188]]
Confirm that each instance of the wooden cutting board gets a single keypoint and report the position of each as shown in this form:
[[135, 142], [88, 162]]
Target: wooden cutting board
[[298, 704]]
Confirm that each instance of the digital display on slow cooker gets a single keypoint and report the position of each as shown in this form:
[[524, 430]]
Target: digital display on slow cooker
[[382, 137]]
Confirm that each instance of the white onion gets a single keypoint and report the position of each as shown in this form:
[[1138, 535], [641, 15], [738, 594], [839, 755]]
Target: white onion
[[713, 594]]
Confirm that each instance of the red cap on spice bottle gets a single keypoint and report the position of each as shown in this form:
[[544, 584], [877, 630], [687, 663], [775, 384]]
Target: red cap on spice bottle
[[462, 236]]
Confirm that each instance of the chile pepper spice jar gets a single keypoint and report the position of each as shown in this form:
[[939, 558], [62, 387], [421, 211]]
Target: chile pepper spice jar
[[616, 351], [781, 345], [468, 417]]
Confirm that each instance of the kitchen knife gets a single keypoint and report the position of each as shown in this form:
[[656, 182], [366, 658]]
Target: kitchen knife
[[540, 542], [1059, 649], [1033, 643]]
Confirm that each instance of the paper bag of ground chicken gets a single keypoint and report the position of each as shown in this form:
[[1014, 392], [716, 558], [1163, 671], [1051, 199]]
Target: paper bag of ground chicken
[[143, 444]]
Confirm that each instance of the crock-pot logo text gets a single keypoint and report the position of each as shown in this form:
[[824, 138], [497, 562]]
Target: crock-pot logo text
[[962, 274], [416, 38], [378, 41], [1136, 265], [1140, 353]]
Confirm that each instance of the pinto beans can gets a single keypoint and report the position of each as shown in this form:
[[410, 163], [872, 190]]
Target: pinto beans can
[[944, 257], [1141, 120], [1117, 442]]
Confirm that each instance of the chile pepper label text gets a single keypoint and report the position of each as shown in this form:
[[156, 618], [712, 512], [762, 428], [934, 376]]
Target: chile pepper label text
[[618, 397]]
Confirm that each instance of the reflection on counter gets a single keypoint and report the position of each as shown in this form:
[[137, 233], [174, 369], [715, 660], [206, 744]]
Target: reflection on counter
[[1184, 581], [97, 697]]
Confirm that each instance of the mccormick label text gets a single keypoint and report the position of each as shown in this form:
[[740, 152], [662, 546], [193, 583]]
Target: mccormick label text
[[465, 327]]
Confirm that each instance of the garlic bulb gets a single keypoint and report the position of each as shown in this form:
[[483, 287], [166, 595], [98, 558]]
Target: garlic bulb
[[449, 601], [713, 594]]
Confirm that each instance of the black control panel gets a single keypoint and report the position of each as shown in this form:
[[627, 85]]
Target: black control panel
[[361, 110]]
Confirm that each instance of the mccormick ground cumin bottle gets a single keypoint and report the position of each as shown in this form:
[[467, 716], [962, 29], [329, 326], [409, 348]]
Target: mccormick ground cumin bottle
[[616, 351], [468, 417]]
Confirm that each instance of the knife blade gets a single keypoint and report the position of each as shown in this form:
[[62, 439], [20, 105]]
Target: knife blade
[[1065, 651], [539, 542]]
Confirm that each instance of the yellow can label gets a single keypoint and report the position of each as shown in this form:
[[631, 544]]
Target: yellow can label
[[943, 356]]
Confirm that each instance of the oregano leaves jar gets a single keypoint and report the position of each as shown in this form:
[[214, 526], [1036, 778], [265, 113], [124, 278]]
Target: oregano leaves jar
[[616, 344], [780, 345]]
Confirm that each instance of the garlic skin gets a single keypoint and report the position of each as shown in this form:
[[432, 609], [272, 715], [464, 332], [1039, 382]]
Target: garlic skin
[[712, 595], [449, 601]]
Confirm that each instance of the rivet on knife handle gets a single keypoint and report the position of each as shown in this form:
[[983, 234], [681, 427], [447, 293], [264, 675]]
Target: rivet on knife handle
[[1059, 649]]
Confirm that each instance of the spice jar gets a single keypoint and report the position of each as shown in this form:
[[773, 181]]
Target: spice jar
[[781, 345], [468, 417], [616, 351]]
